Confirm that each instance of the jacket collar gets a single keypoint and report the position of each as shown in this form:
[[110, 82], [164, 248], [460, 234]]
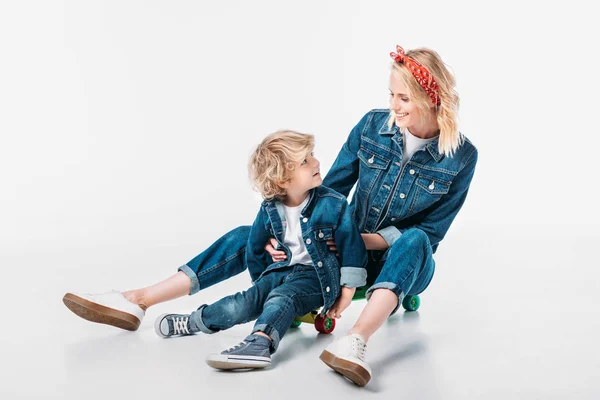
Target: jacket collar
[[306, 211], [394, 131]]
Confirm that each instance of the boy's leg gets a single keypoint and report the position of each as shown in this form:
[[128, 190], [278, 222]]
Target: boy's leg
[[238, 308], [298, 294], [222, 260]]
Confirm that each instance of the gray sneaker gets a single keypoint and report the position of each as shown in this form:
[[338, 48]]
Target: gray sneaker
[[253, 352], [168, 325]]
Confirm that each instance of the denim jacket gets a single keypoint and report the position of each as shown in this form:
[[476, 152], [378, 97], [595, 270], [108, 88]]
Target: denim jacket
[[426, 193], [327, 215]]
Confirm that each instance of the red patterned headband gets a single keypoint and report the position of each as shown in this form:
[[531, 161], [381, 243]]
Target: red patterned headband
[[421, 74]]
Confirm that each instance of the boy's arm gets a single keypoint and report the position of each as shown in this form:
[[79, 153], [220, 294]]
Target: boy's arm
[[351, 249], [256, 256]]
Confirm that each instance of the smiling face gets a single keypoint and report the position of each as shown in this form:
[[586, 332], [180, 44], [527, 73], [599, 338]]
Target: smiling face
[[307, 175], [407, 114]]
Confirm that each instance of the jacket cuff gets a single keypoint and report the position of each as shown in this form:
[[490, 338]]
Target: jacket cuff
[[353, 277], [390, 234]]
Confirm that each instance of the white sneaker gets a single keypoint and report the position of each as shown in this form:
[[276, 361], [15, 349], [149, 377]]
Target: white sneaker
[[346, 356], [110, 308]]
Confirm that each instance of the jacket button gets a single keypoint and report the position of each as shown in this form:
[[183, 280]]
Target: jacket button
[[305, 219], [319, 264], [371, 160], [432, 186], [402, 195], [327, 289], [393, 218], [308, 241], [412, 171], [321, 234]]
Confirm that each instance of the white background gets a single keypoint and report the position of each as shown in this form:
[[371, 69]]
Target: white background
[[125, 131]]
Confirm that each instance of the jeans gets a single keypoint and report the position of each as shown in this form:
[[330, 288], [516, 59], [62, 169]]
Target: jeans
[[222, 260], [274, 300], [405, 268]]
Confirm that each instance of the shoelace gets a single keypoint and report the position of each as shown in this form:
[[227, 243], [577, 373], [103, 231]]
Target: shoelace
[[180, 325], [237, 346], [359, 348]]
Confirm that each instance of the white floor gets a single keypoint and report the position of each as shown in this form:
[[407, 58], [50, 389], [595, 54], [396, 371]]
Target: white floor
[[509, 315]]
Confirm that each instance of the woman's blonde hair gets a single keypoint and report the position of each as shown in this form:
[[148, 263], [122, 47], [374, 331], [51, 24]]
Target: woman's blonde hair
[[447, 112], [274, 161]]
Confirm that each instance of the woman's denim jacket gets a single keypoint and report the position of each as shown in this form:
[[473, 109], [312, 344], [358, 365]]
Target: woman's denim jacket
[[326, 216], [426, 193]]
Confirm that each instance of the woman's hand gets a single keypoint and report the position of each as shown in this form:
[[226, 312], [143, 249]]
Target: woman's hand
[[341, 303], [276, 255], [332, 246]]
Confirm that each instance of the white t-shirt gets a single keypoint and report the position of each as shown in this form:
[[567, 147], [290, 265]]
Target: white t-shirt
[[412, 144], [293, 234]]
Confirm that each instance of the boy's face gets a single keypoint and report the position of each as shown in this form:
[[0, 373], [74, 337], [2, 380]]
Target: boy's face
[[306, 176]]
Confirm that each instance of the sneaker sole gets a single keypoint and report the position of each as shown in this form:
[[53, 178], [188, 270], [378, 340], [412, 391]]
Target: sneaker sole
[[98, 313], [225, 362], [350, 370]]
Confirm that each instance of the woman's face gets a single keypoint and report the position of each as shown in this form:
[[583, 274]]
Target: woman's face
[[406, 112]]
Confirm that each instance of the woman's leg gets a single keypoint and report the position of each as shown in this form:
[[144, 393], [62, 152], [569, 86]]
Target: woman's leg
[[175, 286], [222, 260], [406, 268]]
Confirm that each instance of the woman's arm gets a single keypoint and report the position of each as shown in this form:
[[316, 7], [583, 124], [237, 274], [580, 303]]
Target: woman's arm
[[343, 174]]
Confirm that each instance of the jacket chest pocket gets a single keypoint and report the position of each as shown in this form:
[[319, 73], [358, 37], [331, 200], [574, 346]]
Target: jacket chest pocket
[[372, 165], [428, 191]]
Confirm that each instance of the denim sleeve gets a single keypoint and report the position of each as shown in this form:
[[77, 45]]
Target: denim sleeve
[[343, 174], [439, 218], [351, 248], [256, 255]]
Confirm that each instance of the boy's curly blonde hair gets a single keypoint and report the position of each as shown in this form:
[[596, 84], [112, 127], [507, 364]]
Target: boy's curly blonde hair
[[274, 161]]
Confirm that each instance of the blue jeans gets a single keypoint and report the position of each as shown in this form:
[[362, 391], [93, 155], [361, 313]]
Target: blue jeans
[[222, 260], [405, 268], [274, 300]]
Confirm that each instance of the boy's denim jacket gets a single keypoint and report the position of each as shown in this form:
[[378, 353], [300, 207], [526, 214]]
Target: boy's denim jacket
[[326, 216], [427, 193]]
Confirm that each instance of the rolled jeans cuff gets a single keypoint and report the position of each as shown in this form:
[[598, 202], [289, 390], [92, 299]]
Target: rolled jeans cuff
[[390, 234], [196, 319], [195, 285], [387, 285], [273, 334]]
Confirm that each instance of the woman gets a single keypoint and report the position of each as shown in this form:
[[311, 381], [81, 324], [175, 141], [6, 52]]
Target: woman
[[412, 168]]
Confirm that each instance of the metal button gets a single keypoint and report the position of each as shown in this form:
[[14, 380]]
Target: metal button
[[321, 235], [308, 241], [402, 195], [412, 171], [327, 289], [397, 163], [393, 218], [319, 264], [432, 186], [304, 219], [387, 187], [375, 209], [370, 160]]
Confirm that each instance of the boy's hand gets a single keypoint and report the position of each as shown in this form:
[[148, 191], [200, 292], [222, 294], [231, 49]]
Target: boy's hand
[[341, 303]]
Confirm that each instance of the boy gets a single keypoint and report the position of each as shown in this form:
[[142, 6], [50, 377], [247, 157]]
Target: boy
[[302, 216]]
